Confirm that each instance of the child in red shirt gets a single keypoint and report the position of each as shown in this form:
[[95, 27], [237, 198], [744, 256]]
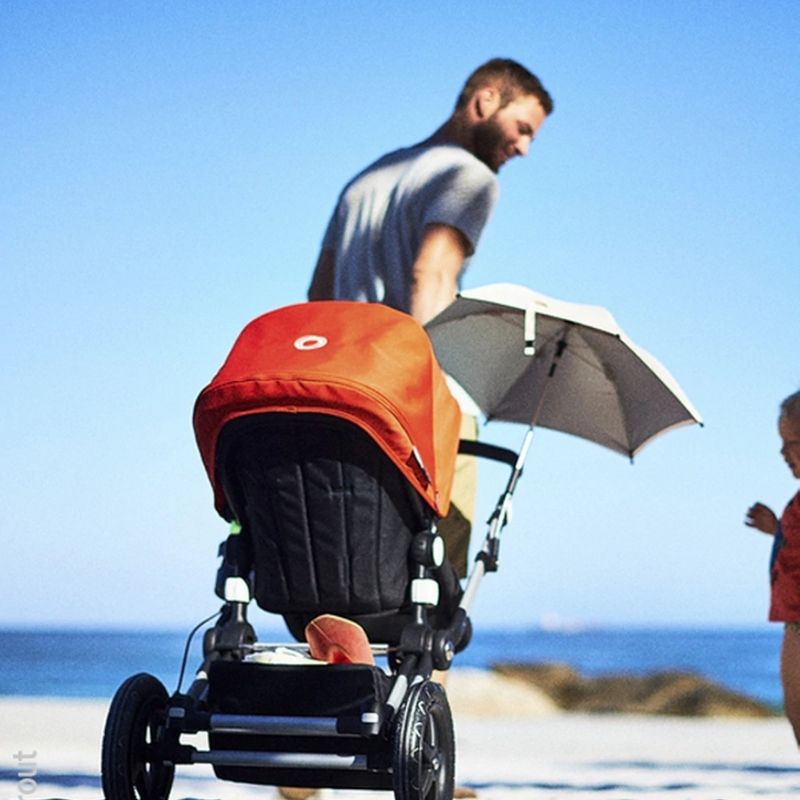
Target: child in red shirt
[[785, 562]]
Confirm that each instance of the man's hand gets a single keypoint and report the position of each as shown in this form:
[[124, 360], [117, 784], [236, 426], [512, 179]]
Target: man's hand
[[761, 518]]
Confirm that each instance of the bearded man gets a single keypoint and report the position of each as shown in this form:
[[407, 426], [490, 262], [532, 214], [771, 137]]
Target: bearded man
[[404, 229]]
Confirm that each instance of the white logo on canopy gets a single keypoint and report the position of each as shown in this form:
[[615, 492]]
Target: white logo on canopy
[[310, 342]]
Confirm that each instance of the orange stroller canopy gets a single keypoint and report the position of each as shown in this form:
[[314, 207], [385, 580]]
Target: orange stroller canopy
[[363, 362]]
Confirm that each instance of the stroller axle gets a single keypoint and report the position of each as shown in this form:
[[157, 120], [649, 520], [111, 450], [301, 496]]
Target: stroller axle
[[245, 758], [281, 726]]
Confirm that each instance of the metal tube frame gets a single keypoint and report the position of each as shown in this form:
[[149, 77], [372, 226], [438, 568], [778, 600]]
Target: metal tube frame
[[486, 560]]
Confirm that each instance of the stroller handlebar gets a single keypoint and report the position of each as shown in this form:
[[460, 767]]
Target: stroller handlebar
[[472, 447]]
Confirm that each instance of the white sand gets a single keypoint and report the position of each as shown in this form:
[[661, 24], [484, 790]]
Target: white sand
[[511, 744]]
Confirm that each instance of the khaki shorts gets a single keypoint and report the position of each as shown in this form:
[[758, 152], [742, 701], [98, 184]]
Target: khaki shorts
[[456, 527]]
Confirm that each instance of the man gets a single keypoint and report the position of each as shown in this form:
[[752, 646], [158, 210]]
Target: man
[[404, 229]]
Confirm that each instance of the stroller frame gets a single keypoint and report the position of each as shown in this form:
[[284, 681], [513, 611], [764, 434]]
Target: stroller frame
[[337, 726], [329, 437]]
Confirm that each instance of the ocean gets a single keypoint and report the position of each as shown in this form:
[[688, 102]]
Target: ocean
[[92, 663]]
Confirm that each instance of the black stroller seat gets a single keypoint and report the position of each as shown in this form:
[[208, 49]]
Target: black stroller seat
[[327, 523]]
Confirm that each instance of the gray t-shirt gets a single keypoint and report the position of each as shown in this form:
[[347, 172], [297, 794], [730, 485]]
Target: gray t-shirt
[[377, 226]]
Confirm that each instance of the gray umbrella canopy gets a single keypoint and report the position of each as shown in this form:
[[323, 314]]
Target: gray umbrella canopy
[[524, 357]]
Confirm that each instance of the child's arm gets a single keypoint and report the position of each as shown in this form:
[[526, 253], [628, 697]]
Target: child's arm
[[761, 518]]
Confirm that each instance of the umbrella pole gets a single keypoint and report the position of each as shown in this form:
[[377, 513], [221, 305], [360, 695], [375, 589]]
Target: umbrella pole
[[487, 559]]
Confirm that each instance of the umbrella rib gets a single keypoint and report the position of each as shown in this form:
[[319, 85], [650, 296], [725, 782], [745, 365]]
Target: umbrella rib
[[578, 357], [624, 445]]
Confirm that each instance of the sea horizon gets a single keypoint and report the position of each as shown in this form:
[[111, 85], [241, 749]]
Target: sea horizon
[[91, 661]]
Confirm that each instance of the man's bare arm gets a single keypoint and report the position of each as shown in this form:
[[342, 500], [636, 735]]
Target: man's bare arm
[[435, 272], [321, 287]]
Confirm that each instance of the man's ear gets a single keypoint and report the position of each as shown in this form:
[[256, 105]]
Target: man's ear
[[487, 101]]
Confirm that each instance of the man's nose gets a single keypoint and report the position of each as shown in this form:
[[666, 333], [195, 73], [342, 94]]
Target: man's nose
[[522, 146]]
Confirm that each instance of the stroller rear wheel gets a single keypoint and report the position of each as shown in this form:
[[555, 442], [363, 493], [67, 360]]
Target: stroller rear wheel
[[423, 763], [135, 720]]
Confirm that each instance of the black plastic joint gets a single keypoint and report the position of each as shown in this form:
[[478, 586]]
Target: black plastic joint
[[490, 562], [230, 634], [427, 549], [443, 650], [415, 639]]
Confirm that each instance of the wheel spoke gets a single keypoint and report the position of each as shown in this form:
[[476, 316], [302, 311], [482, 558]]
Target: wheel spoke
[[428, 779], [431, 759], [430, 752], [141, 784]]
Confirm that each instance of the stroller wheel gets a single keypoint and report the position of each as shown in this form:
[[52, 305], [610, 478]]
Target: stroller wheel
[[423, 762], [135, 720]]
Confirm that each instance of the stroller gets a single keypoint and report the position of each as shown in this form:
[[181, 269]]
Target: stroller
[[329, 437]]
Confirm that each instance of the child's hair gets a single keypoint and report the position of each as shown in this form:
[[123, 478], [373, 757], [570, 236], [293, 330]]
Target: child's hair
[[790, 407]]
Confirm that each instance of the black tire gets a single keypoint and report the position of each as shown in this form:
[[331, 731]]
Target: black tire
[[423, 757], [135, 719]]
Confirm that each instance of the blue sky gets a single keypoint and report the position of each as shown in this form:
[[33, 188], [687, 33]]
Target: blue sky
[[167, 170]]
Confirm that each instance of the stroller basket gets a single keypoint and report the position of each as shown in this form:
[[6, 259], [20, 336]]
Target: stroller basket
[[282, 719]]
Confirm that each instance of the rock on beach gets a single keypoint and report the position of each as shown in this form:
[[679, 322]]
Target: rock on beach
[[669, 692], [481, 693]]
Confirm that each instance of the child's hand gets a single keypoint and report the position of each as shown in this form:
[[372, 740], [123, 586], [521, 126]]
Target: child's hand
[[761, 518]]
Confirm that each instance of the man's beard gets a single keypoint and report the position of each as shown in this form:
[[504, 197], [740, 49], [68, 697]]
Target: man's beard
[[487, 139]]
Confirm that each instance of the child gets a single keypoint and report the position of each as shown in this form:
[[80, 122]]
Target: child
[[785, 562]]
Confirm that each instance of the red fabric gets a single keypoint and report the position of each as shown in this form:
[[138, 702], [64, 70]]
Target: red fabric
[[785, 602], [338, 641], [363, 362]]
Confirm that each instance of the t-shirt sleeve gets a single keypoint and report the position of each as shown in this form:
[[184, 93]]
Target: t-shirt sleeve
[[331, 232], [463, 197]]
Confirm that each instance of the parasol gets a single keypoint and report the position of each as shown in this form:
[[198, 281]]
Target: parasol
[[524, 357]]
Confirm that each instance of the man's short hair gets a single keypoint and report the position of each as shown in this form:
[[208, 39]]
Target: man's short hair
[[510, 79], [790, 408]]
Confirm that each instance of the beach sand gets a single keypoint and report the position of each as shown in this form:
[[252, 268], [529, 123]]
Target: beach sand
[[511, 743]]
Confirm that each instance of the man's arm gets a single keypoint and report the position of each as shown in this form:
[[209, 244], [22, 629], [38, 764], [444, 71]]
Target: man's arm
[[321, 287], [435, 272]]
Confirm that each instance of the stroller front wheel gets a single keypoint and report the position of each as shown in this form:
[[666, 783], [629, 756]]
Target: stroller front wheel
[[423, 763], [135, 720]]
